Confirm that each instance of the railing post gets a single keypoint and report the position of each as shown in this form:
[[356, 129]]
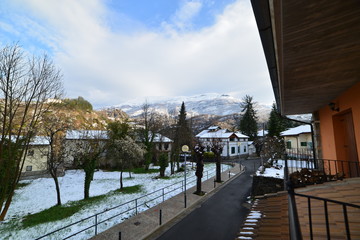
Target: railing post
[[229, 174], [163, 197], [160, 217], [136, 211], [95, 224], [119, 235], [294, 225], [346, 221]]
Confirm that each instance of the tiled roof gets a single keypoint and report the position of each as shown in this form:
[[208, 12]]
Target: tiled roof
[[273, 209]]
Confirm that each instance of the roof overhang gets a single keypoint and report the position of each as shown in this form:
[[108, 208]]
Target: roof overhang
[[312, 49]]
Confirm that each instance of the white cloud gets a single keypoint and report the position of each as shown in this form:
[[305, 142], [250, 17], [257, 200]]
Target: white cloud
[[107, 67]]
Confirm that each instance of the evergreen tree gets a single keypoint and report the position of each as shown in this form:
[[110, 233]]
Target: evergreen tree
[[276, 123], [248, 124], [182, 134]]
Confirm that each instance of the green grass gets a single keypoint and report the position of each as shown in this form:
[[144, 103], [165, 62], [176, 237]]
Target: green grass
[[142, 170], [21, 185], [56, 213], [165, 177], [129, 190]]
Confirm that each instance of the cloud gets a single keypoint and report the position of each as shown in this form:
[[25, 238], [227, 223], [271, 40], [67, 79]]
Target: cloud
[[109, 67]]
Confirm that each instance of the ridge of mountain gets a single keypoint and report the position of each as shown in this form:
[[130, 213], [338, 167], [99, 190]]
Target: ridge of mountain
[[204, 104]]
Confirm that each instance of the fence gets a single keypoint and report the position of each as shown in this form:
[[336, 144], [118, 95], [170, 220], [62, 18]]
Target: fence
[[98, 222], [333, 170], [331, 210]]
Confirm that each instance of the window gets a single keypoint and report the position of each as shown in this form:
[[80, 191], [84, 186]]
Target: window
[[244, 148], [29, 168], [232, 150], [303, 144], [166, 146], [288, 145], [30, 153]]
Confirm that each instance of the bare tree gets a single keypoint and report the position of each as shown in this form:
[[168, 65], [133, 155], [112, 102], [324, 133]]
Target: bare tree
[[217, 148], [199, 155], [150, 126], [54, 125], [25, 85]]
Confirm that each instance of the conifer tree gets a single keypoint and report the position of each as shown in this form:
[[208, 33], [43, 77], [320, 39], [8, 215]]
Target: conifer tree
[[182, 134], [248, 122], [276, 124]]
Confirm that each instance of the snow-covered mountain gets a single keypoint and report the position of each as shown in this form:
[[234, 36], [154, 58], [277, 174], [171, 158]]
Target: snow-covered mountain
[[209, 104]]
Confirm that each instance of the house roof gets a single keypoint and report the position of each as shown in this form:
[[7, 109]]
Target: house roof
[[39, 140], [220, 133], [262, 133], [160, 138], [86, 134], [297, 130], [311, 48]]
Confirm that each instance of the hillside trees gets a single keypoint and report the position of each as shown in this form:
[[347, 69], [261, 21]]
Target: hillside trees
[[26, 82], [248, 121]]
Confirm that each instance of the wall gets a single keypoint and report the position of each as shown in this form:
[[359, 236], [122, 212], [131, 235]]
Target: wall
[[38, 161], [348, 100]]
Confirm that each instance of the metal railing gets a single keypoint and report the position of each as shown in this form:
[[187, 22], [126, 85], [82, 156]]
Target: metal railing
[[340, 168], [333, 170], [131, 208], [344, 207]]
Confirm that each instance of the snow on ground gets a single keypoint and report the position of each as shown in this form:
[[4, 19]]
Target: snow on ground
[[40, 194], [277, 170]]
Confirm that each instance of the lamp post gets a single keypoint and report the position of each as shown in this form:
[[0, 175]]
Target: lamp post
[[185, 149]]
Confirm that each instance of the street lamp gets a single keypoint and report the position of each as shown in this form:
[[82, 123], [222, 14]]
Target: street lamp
[[185, 149]]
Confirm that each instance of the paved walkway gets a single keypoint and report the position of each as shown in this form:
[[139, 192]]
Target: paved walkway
[[146, 225]]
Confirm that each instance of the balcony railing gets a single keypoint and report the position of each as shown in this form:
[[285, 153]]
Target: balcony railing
[[330, 170]]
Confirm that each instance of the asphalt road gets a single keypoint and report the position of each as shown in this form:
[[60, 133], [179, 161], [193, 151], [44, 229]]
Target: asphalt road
[[220, 217]]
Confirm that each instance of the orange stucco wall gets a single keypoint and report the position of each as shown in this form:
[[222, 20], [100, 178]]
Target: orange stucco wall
[[350, 99]]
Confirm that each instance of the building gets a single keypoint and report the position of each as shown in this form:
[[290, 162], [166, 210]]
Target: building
[[76, 139], [35, 162], [162, 145], [298, 141], [234, 144], [312, 52]]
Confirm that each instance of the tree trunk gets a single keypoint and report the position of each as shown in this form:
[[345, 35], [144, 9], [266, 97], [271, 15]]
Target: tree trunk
[[198, 186], [218, 169], [129, 173], [121, 180], [87, 185], [6, 207], [57, 191]]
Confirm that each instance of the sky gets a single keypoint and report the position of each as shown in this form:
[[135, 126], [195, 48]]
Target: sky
[[113, 51]]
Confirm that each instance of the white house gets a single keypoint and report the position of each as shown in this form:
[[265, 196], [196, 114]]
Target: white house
[[298, 140], [36, 156], [233, 143], [75, 139], [163, 144]]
